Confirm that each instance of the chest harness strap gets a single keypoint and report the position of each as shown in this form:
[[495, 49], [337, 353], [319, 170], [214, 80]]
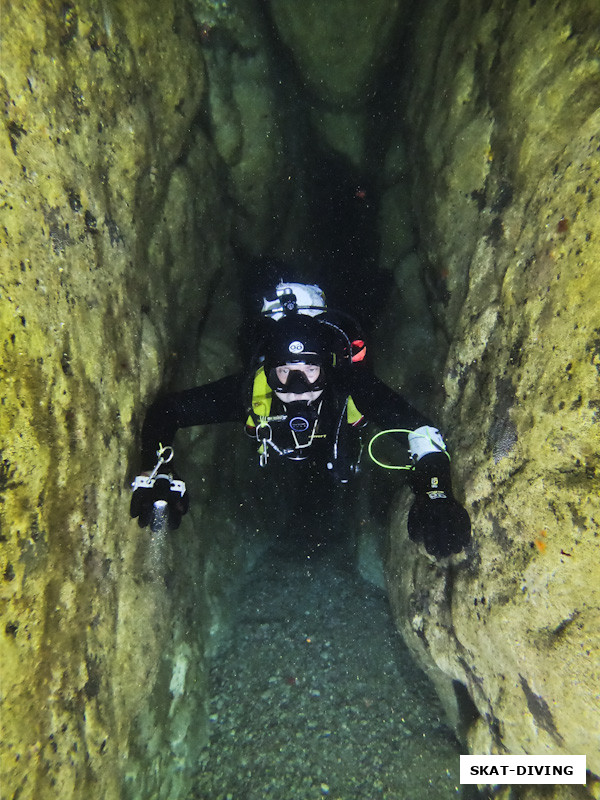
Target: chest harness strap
[[258, 424], [264, 435]]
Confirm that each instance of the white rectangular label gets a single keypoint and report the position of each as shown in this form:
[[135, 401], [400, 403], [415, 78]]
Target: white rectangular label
[[522, 769]]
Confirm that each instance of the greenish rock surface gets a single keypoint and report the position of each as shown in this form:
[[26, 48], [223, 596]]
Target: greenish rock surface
[[344, 132], [339, 47], [139, 152], [506, 155], [103, 280], [246, 120]]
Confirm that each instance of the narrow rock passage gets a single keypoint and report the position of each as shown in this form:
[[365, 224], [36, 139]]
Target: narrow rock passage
[[316, 695]]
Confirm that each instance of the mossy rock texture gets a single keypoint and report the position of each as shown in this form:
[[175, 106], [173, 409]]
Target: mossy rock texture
[[144, 145], [512, 233], [102, 280]]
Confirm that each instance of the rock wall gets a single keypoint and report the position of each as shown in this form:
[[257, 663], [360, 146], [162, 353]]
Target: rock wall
[[503, 119], [138, 151], [115, 245], [246, 120]]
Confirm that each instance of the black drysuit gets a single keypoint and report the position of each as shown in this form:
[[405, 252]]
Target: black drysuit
[[228, 400], [435, 518]]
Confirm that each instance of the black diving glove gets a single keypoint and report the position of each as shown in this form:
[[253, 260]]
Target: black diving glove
[[435, 517], [147, 491]]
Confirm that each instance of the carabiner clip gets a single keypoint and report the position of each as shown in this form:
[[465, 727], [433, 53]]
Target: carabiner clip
[[161, 458]]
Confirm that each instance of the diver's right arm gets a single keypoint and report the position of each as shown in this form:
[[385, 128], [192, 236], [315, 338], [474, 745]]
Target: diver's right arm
[[221, 401]]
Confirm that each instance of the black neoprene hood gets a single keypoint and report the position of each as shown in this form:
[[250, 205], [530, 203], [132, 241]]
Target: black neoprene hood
[[297, 339]]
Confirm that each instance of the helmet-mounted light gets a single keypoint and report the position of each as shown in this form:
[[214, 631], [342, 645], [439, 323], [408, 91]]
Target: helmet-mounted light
[[294, 298]]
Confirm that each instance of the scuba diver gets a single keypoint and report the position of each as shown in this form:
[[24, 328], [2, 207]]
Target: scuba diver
[[305, 398]]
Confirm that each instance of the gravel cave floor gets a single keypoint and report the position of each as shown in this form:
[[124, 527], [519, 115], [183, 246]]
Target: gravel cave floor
[[316, 696]]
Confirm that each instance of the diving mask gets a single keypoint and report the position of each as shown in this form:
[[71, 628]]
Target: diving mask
[[296, 378]]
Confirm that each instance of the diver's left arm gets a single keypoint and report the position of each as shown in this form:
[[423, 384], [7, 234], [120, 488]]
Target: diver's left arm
[[436, 518]]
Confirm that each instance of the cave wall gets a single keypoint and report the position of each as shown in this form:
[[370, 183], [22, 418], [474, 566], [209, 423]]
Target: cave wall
[[141, 150], [117, 281], [484, 166], [503, 112]]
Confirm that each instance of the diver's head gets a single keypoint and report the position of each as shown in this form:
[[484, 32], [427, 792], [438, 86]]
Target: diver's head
[[297, 357]]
